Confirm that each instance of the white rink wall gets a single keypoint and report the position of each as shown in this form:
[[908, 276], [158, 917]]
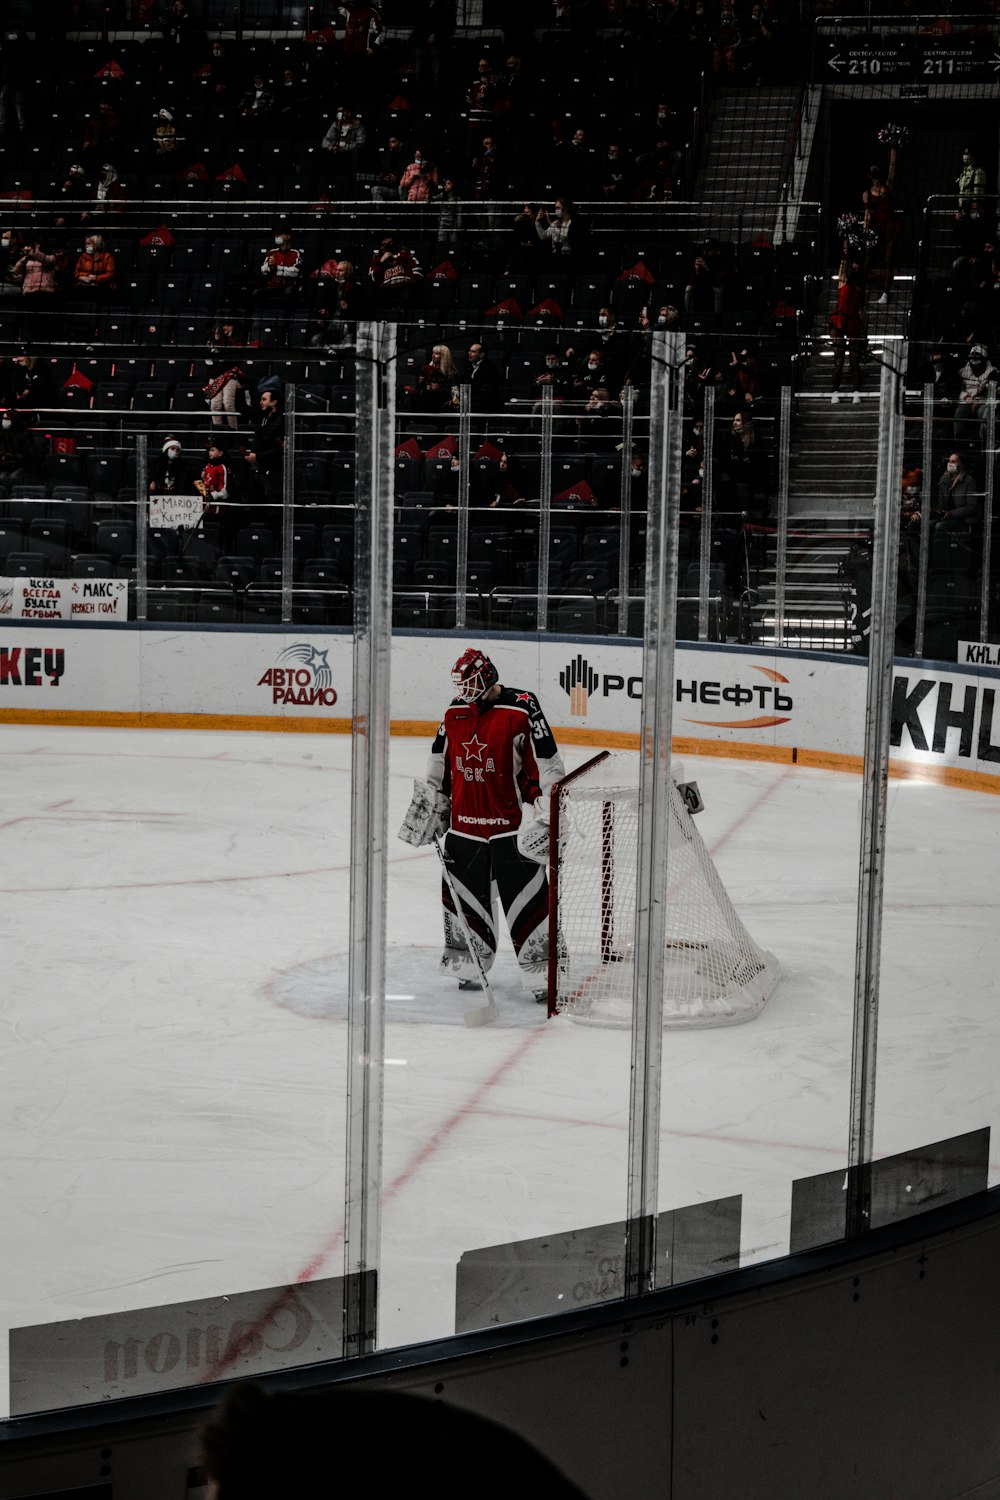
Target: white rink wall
[[799, 706]]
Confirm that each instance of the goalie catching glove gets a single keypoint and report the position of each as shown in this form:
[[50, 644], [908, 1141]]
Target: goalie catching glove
[[427, 815], [533, 834]]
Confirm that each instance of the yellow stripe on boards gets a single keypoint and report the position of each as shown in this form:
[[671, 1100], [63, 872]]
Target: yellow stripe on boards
[[573, 734]]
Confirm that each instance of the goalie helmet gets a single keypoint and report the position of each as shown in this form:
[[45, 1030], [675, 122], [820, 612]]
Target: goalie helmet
[[473, 675]]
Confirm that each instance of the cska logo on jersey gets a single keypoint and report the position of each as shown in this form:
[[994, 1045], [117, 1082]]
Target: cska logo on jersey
[[474, 749]]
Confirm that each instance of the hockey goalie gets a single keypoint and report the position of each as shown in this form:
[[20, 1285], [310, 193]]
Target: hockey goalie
[[491, 766]]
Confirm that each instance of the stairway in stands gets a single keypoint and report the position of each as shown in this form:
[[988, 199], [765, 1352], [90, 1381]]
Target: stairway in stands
[[832, 477], [740, 180]]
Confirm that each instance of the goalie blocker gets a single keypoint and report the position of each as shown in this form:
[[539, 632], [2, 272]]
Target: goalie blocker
[[714, 974]]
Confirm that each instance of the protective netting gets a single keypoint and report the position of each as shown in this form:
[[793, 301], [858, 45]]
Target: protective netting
[[714, 974]]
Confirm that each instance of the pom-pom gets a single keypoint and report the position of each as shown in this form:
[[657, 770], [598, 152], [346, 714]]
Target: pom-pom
[[847, 225], [893, 135]]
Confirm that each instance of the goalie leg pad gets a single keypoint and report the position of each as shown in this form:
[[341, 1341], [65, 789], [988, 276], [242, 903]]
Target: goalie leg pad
[[427, 815]]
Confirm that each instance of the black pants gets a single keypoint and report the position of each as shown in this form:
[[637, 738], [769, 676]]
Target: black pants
[[481, 871]]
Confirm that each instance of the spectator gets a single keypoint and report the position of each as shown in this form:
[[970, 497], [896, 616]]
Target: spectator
[[971, 180], [14, 79], [599, 413], [394, 274], [170, 473], [437, 383], [36, 270], [259, 1446], [216, 484], [591, 374], [565, 234], [257, 104], [165, 141], [510, 488], [974, 377], [958, 504], [281, 268], [612, 174], [389, 166], [224, 391], [109, 194], [449, 218], [19, 459], [525, 247], [486, 172], [738, 459], [101, 132], [880, 217], [94, 272], [344, 141], [556, 376], [483, 381], [74, 199], [480, 98], [419, 179], [31, 385], [219, 72], [267, 454], [292, 105], [847, 327], [11, 249], [576, 165]]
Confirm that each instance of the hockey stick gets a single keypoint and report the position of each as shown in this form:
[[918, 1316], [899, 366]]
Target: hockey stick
[[488, 1012]]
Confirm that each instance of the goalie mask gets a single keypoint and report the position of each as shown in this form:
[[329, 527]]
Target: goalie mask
[[473, 675]]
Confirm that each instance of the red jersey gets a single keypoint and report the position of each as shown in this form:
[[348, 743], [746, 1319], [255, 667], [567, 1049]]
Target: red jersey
[[492, 760]]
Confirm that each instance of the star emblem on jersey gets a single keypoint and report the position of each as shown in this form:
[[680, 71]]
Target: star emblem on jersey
[[474, 749], [524, 698]]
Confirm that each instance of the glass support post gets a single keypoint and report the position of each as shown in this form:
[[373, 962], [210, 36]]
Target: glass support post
[[990, 446], [781, 539], [924, 553], [375, 376], [653, 856], [705, 537], [462, 533], [545, 511], [625, 506], [874, 803], [141, 525], [287, 507]]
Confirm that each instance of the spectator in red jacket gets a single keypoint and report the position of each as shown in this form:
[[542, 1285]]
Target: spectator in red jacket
[[281, 268], [394, 273], [94, 272]]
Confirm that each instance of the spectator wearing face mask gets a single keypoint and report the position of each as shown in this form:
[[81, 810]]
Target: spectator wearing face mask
[[257, 104], [281, 268], [170, 473], [94, 272], [419, 179], [109, 194], [556, 376], [591, 373], [974, 377], [74, 198], [958, 504], [343, 142]]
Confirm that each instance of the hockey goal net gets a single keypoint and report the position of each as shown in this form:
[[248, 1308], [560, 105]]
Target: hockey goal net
[[714, 974]]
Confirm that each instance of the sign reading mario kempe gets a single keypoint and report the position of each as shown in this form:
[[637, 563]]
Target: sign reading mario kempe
[[172, 511], [79, 599]]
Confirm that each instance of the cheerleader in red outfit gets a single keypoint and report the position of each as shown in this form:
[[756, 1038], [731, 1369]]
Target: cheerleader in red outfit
[[880, 216]]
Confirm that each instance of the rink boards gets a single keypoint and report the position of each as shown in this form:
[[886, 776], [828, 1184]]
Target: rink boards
[[802, 707]]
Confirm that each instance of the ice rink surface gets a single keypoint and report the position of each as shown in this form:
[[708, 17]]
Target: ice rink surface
[[175, 910]]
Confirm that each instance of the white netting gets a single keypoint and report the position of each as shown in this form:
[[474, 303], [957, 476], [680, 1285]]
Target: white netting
[[714, 973]]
